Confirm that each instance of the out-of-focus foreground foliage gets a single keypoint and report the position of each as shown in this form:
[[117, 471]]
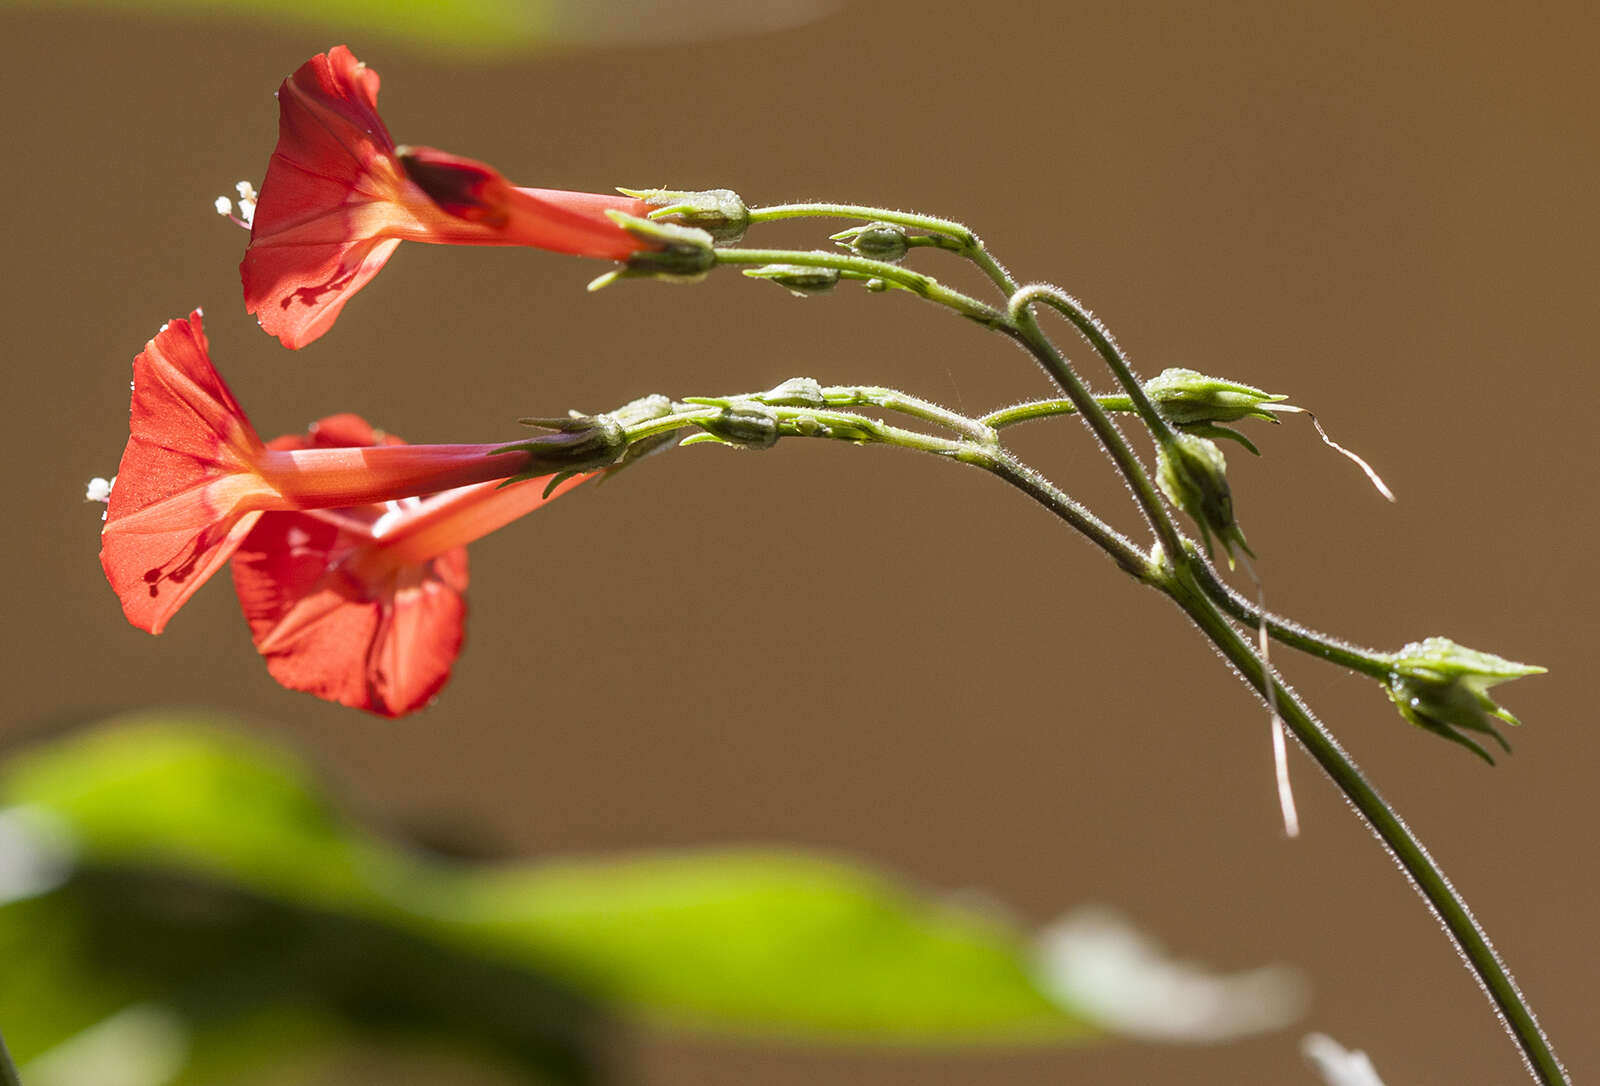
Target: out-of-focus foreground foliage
[[485, 27], [192, 889]]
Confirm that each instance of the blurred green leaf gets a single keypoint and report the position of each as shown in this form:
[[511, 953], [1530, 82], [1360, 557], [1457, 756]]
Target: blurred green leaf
[[485, 27], [211, 877], [769, 940]]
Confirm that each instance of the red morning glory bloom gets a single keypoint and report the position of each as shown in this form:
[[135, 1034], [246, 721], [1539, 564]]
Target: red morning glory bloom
[[339, 196], [363, 606], [194, 477]]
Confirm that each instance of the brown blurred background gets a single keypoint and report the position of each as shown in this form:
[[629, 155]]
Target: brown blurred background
[[1387, 211]]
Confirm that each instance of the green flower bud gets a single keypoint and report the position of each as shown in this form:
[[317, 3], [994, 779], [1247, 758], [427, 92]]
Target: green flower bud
[[800, 280], [1185, 397], [1441, 686], [631, 414], [1192, 473], [875, 241], [746, 427], [681, 253], [653, 406], [719, 212], [796, 392], [577, 444]]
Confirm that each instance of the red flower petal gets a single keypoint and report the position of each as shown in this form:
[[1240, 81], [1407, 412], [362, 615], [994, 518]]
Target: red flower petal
[[184, 487], [550, 219], [314, 239], [364, 605], [336, 432], [329, 626], [194, 476], [386, 645], [336, 201], [330, 138], [297, 293]]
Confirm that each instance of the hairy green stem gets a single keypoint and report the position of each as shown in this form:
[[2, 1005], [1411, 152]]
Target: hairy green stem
[[1025, 330], [978, 446], [1181, 573], [966, 242], [1019, 323], [912, 221], [924, 286], [1184, 581], [1100, 339], [890, 399], [1122, 550], [1447, 905], [824, 422], [1369, 662], [1048, 409]]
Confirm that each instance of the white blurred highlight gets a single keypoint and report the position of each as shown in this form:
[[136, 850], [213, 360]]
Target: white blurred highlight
[[1096, 963], [144, 1045], [36, 852], [1338, 1065]]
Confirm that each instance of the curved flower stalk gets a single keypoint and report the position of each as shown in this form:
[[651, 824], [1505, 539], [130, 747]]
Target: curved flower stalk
[[340, 195], [194, 477], [1193, 473], [364, 606]]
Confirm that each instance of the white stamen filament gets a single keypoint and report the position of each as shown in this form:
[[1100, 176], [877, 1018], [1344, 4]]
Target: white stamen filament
[[247, 205], [247, 202], [1372, 476], [99, 490], [397, 510], [1280, 752]]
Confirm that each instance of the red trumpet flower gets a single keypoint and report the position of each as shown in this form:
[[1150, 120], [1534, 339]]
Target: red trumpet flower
[[339, 196], [195, 477], [364, 606]]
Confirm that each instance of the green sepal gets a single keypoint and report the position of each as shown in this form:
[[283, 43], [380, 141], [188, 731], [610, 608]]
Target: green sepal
[[798, 279], [1213, 431], [875, 241], [1192, 472], [719, 212], [677, 253], [1442, 687], [1185, 396], [556, 480], [577, 444]]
